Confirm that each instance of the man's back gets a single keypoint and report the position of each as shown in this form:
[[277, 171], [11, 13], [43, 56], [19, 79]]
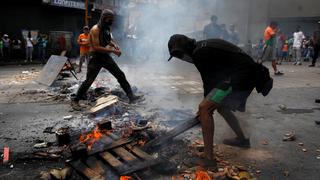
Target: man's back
[[218, 60]]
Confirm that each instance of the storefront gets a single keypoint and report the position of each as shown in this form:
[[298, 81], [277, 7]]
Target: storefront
[[45, 16]]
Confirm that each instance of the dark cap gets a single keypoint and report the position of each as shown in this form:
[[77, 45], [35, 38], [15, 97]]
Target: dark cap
[[86, 28], [107, 12]]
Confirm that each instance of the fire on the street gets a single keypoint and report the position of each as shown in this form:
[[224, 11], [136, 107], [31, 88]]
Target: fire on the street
[[125, 177], [92, 137], [202, 175]]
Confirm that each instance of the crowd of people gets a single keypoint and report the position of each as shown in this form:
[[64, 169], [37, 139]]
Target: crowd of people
[[15, 49], [275, 46], [296, 47]]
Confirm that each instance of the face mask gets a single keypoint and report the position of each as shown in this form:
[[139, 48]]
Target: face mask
[[186, 58], [182, 56], [108, 23]]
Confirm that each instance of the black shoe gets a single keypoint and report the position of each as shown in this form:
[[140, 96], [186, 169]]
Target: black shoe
[[278, 73], [244, 143], [317, 101], [312, 65], [75, 105], [134, 99]]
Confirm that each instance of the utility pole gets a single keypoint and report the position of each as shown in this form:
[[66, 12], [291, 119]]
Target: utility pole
[[89, 6], [86, 19]]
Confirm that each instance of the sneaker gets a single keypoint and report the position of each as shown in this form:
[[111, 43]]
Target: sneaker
[[278, 73], [312, 65], [244, 143], [76, 106], [317, 101], [295, 63], [299, 63]]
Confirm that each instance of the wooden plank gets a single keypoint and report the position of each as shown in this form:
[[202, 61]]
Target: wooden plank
[[110, 145], [124, 154], [137, 151], [162, 140], [86, 171], [138, 166], [114, 162], [104, 102], [96, 165]]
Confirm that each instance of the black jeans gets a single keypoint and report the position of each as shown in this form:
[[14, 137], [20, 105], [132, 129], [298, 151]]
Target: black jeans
[[316, 53], [96, 62]]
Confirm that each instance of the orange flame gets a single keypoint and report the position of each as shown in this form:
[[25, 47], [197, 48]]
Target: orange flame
[[92, 137], [125, 177], [202, 175], [142, 142]]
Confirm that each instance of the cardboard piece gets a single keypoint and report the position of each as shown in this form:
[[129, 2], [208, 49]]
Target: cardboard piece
[[51, 70]]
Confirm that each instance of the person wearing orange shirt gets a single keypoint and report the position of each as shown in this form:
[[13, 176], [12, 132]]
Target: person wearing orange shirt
[[83, 41], [269, 51]]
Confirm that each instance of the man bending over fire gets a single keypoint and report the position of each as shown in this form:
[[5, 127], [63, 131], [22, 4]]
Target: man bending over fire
[[229, 75]]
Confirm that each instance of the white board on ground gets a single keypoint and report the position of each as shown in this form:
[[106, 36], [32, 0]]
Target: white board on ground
[[51, 70]]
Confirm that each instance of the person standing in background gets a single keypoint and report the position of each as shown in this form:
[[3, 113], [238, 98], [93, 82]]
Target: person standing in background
[[6, 46], [42, 45], [212, 30], [29, 48], [298, 37], [83, 41], [16, 49], [224, 32], [1, 48], [281, 38], [269, 51], [316, 45], [233, 35]]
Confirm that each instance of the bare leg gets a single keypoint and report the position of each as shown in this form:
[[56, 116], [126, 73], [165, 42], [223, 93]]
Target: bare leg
[[274, 65], [206, 109], [232, 121]]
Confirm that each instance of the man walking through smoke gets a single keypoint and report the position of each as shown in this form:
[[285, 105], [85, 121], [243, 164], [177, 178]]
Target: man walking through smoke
[[229, 75], [101, 45]]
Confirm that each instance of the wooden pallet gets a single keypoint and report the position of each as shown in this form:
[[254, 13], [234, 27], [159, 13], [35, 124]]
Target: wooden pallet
[[123, 160]]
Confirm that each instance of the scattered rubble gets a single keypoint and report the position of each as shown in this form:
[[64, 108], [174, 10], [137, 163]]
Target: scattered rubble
[[282, 107], [68, 117], [289, 136], [42, 145]]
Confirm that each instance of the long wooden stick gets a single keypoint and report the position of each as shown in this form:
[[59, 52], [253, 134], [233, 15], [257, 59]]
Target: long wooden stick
[[162, 140]]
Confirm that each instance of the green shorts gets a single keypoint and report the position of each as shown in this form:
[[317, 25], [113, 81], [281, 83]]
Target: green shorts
[[226, 97], [218, 95]]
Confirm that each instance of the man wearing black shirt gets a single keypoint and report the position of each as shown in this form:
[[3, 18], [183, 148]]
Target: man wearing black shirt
[[229, 75], [101, 45]]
